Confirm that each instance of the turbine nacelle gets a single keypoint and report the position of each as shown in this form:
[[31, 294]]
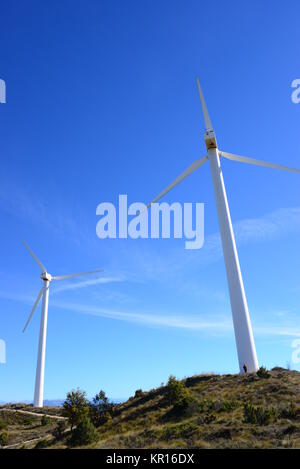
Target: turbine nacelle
[[46, 277], [210, 139]]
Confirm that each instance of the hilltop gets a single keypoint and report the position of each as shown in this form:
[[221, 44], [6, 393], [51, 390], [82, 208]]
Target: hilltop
[[204, 411]]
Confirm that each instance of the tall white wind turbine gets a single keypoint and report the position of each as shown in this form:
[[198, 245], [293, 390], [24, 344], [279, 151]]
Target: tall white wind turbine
[[241, 320], [44, 292]]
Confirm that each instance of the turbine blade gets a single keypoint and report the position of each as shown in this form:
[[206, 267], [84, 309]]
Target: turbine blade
[[244, 159], [79, 274], [180, 178], [208, 124], [34, 308], [42, 267]]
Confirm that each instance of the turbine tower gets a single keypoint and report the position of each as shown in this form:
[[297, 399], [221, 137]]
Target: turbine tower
[[44, 292], [241, 319]]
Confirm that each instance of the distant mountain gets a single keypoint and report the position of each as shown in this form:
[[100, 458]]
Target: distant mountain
[[54, 402]]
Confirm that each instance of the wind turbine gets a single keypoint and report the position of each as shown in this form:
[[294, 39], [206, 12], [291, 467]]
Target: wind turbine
[[44, 292], [241, 320]]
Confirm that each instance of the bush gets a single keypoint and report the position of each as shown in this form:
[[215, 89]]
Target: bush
[[59, 430], [28, 421], [75, 407], [42, 444], [263, 372], [290, 412], [259, 414], [225, 406], [3, 438], [138, 393], [2, 424], [45, 420], [177, 395], [101, 410], [85, 433]]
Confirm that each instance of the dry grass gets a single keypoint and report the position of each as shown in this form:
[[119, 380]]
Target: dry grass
[[214, 419]]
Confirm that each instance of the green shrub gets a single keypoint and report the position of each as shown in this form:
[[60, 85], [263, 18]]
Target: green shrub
[[177, 395], [263, 372], [75, 407], [225, 406], [206, 405], [85, 433], [184, 430], [101, 410], [290, 412], [42, 444], [138, 393], [59, 430], [2, 424], [28, 421], [258, 414], [3, 438], [45, 420]]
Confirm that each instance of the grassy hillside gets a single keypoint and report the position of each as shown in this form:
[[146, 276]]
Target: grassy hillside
[[212, 411]]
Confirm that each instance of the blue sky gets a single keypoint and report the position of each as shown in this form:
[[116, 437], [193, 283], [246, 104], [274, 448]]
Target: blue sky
[[102, 101]]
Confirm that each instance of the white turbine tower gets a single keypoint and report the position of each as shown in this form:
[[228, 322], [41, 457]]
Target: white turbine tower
[[241, 319], [44, 292]]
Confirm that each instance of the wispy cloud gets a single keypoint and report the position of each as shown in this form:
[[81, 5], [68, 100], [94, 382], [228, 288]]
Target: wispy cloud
[[271, 226], [211, 323], [182, 321], [283, 331]]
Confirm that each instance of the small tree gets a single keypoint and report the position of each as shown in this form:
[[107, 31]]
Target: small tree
[[59, 430], [263, 372], [101, 409], [75, 407], [177, 395], [85, 432], [138, 393]]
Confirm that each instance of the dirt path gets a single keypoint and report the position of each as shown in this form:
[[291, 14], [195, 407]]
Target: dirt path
[[47, 436], [22, 443], [27, 412]]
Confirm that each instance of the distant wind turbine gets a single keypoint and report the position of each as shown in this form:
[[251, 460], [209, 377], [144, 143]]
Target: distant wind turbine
[[241, 319], [44, 292]]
